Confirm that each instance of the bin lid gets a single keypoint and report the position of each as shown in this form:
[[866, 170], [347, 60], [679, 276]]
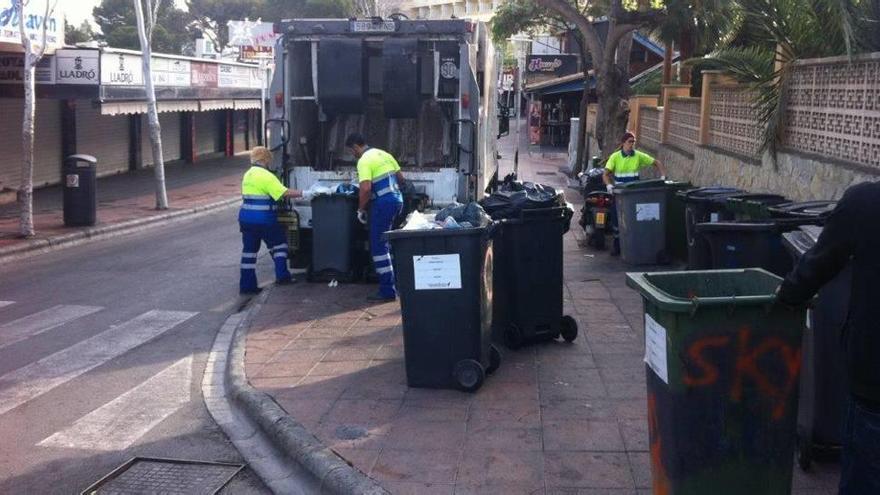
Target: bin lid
[[410, 234], [813, 209], [813, 231], [756, 198], [708, 194], [640, 186], [736, 226], [80, 157], [686, 292]]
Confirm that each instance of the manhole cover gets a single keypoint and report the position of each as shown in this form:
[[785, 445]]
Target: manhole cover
[[143, 475]]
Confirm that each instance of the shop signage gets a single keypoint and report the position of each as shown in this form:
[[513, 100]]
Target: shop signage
[[33, 24], [76, 67], [251, 33], [236, 76], [203, 75], [556, 65], [12, 69], [121, 69], [170, 72]]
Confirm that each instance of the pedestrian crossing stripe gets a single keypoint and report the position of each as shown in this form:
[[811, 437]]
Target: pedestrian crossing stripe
[[33, 380], [43, 321], [122, 421], [6, 303]]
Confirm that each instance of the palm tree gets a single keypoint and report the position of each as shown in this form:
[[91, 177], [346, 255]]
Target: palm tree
[[768, 36]]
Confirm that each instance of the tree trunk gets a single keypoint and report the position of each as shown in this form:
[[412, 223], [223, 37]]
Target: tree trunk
[[580, 159], [152, 112], [613, 111], [686, 42], [26, 188]]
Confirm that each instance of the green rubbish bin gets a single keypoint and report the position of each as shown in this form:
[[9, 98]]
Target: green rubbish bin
[[723, 369]]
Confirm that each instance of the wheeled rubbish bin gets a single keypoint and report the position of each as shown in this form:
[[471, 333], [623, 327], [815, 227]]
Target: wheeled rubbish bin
[[705, 204], [80, 196], [824, 388], [722, 363], [444, 280], [527, 281], [334, 234], [641, 220]]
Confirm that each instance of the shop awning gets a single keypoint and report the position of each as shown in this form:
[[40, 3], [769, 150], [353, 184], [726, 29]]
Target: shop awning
[[207, 105], [137, 107], [247, 104]]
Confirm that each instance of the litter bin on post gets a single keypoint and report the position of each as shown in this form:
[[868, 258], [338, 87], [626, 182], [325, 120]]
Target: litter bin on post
[[722, 363], [641, 220], [824, 387], [444, 279], [80, 190], [527, 280], [705, 204], [334, 235]]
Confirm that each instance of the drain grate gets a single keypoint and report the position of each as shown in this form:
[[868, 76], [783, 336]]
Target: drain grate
[[143, 475]]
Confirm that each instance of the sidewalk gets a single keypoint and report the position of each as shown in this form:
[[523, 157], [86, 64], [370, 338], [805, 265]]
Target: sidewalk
[[555, 418], [126, 200]]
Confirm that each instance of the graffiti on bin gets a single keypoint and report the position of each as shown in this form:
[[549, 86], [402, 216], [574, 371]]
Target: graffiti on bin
[[659, 478], [769, 363]]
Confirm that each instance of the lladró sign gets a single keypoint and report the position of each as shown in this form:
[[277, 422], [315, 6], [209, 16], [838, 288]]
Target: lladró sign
[[77, 67]]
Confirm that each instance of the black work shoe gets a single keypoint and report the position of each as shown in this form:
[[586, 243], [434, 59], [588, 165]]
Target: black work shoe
[[250, 292], [285, 281], [380, 297]]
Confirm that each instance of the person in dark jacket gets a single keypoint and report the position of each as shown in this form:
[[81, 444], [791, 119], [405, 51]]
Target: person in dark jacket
[[852, 232]]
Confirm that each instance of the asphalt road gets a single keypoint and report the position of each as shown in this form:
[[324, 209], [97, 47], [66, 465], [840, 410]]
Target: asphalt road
[[102, 351]]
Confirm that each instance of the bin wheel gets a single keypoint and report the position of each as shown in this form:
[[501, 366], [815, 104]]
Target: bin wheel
[[513, 337], [494, 359], [804, 450], [568, 328], [469, 374]]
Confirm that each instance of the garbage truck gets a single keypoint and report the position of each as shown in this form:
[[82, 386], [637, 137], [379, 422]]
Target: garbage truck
[[423, 90]]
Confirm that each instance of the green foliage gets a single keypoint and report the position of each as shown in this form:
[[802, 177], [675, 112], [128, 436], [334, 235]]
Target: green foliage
[[649, 85], [118, 26], [81, 34], [276, 10]]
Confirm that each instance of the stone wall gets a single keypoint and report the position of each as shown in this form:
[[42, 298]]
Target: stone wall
[[796, 176]]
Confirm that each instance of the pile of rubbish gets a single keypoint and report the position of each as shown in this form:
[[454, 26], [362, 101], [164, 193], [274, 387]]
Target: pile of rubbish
[[318, 189], [512, 197], [454, 216]]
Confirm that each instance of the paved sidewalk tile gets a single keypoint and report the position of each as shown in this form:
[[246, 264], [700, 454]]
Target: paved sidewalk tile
[[556, 418]]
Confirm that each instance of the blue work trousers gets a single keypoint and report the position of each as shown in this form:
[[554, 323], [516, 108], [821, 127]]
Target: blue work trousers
[[383, 211], [252, 235], [860, 459]]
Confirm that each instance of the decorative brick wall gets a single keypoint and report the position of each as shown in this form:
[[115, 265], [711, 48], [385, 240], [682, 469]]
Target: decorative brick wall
[[648, 133], [733, 123], [684, 123]]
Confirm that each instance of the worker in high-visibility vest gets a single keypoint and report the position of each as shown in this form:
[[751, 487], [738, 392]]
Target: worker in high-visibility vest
[[380, 178], [258, 221]]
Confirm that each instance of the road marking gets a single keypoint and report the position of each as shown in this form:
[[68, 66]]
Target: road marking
[[6, 303], [37, 323], [122, 421], [31, 381]]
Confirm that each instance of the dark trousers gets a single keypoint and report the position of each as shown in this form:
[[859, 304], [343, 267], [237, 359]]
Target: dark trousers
[[860, 460], [382, 213], [252, 235]]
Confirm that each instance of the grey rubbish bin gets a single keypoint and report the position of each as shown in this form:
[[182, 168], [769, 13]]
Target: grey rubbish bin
[[641, 220], [823, 388], [80, 190]]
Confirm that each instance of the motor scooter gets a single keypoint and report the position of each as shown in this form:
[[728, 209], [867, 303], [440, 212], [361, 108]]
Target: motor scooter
[[597, 205]]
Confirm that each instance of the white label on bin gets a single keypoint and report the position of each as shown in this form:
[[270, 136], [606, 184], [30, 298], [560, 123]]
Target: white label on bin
[[437, 272], [655, 348], [713, 217], [72, 180], [647, 212]]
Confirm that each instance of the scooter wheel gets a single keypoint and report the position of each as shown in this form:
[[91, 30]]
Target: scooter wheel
[[469, 375], [568, 328]]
